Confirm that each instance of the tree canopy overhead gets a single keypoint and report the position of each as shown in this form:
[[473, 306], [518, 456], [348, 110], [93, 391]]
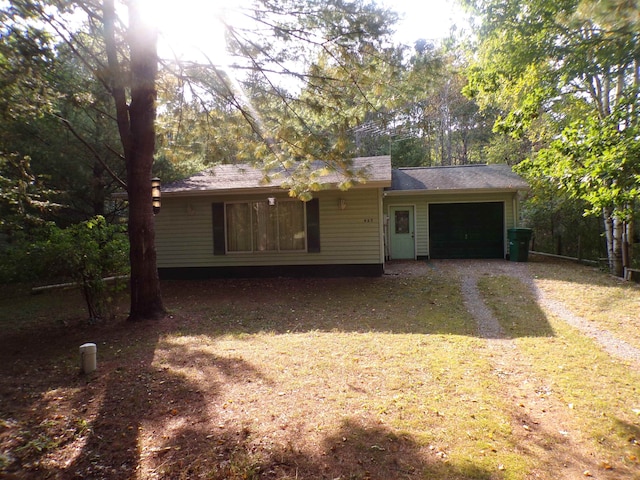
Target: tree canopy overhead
[[574, 66], [300, 74], [338, 52]]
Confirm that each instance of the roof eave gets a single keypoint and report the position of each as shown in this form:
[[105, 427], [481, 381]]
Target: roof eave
[[270, 189], [253, 190], [450, 191]]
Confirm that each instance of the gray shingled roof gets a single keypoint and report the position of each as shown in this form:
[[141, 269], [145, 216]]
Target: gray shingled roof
[[241, 177], [464, 177], [379, 173]]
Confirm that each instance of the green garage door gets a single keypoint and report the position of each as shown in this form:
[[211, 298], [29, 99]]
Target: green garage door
[[466, 230]]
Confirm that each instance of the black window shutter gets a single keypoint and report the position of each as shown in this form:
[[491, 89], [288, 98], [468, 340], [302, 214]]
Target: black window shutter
[[313, 226], [218, 228]]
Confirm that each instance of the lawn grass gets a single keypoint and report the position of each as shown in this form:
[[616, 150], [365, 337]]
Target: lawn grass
[[607, 301], [600, 394], [307, 378], [410, 371]]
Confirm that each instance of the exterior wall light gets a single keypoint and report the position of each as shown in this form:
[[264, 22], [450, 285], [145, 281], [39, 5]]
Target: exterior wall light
[[155, 195], [272, 201], [342, 204]]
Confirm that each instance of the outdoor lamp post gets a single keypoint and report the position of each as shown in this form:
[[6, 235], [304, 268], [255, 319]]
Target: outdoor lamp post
[[155, 194]]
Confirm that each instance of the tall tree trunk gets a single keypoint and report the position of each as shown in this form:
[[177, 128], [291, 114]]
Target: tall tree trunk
[[608, 231], [625, 246], [614, 229], [136, 125], [630, 241], [618, 264], [146, 300]]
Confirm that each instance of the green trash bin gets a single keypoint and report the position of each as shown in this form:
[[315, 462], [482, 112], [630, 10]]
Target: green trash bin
[[519, 239]]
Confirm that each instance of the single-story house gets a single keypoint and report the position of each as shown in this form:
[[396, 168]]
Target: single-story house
[[229, 222]]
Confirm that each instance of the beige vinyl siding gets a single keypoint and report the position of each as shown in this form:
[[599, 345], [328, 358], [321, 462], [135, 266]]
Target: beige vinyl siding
[[422, 201], [184, 232]]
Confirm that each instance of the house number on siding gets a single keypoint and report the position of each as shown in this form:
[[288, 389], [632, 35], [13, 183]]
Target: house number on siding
[[368, 220]]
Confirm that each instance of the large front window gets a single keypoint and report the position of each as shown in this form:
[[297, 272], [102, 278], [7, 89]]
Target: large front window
[[264, 227]]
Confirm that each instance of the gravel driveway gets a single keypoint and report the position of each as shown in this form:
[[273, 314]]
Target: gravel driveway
[[540, 416], [488, 326]]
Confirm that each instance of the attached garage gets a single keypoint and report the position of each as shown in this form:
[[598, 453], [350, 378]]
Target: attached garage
[[455, 212]]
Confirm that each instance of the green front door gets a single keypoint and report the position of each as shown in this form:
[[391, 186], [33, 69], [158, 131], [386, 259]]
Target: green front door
[[402, 233]]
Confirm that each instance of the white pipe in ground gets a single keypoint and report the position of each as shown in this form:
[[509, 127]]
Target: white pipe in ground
[[88, 357]]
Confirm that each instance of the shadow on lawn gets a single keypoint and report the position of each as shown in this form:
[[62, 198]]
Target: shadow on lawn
[[631, 433], [58, 424], [63, 424], [285, 305], [555, 452], [355, 451], [424, 305], [186, 433], [580, 275], [145, 414]]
